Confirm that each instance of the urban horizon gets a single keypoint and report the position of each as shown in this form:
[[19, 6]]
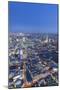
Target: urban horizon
[[33, 45]]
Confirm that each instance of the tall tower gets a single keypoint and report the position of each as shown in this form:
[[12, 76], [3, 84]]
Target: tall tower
[[46, 40]]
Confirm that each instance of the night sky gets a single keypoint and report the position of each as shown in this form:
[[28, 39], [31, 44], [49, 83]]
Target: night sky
[[32, 17]]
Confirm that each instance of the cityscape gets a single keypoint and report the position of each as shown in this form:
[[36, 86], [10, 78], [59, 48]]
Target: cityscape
[[33, 60], [32, 45]]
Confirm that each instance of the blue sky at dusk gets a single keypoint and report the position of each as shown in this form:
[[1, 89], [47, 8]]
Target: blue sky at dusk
[[32, 17]]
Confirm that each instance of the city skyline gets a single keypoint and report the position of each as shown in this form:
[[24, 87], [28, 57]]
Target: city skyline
[[29, 17], [33, 45]]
